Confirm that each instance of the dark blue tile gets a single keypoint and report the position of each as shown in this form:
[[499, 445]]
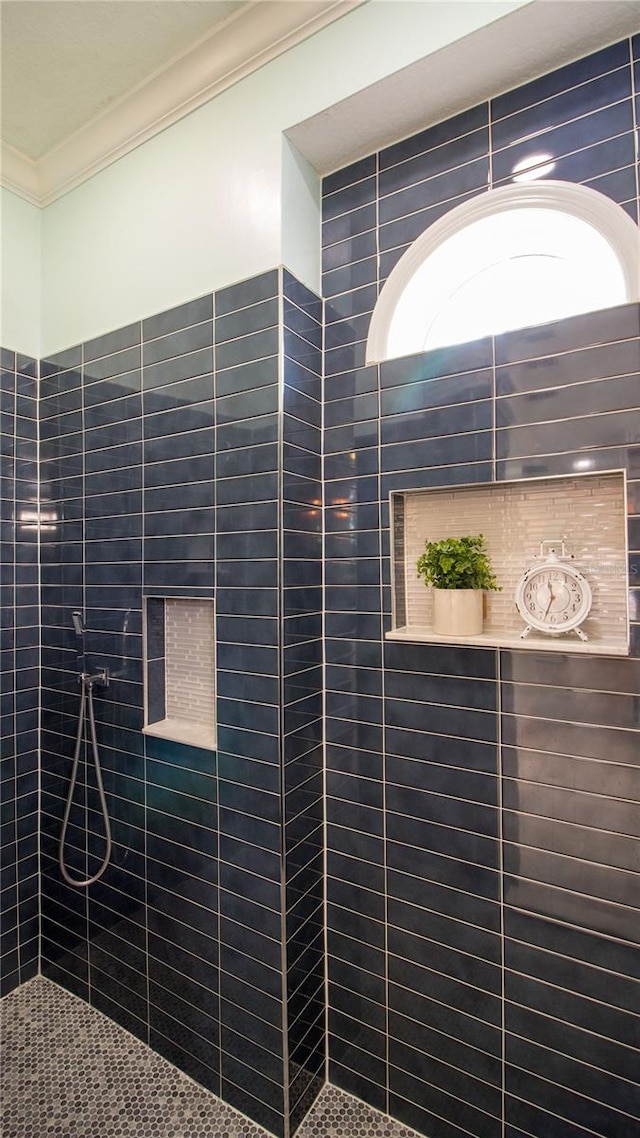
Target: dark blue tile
[[352, 545], [112, 342], [7, 359], [435, 772], [537, 1120], [113, 434], [422, 1106], [618, 186], [436, 422], [166, 448], [347, 358], [452, 450], [117, 387], [427, 807], [534, 466], [301, 351], [173, 370], [613, 394], [116, 363], [251, 1106], [441, 135], [255, 318], [247, 292], [583, 1045], [350, 196], [348, 225], [177, 343], [302, 323], [570, 104], [348, 331], [246, 460], [353, 408], [246, 433], [607, 430], [247, 348], [439, 362], [351, 437], [561, 140], [346, 518], [565, 1102], [469, 178], [304, 299], [361, 300], [304, 436], [439, 155], [363, 168], [568, 971], [566, 368], [112, 412], [193, 312], [251, 516], [350, 277], [422, 395], [584, 70], [601, 166], [246, 376]]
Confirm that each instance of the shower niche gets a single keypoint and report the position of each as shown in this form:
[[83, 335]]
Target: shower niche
[[180, 672], [585, 511]]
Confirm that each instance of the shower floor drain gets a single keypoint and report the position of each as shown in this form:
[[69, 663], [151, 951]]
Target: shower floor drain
[[70, 1072]]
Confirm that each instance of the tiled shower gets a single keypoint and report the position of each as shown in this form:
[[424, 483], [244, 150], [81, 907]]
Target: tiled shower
[[472, 836]]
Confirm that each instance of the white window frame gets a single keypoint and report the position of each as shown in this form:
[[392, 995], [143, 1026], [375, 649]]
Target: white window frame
[[604, 215]]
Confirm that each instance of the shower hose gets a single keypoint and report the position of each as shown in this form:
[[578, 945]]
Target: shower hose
[[86, 702]]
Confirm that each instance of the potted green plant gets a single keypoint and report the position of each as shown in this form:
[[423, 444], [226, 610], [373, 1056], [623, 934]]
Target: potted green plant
[[460, 571]]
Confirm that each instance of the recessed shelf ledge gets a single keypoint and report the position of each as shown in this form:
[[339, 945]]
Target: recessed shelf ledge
[[181, 731], [421, 634]]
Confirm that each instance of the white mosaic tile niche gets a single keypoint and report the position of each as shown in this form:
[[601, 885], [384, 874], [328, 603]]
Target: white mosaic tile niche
[[180, 679], [587, 512]]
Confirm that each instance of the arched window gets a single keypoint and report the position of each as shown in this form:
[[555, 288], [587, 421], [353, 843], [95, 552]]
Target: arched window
[[512, 257]]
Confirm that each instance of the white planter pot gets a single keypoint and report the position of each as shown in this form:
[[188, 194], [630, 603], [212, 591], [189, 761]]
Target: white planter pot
[[457, 612]]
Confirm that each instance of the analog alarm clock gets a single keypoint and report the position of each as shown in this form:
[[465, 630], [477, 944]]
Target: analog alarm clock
[[553, 596]]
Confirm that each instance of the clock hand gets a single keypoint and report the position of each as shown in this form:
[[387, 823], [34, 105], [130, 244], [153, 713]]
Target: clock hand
[[551, 600]]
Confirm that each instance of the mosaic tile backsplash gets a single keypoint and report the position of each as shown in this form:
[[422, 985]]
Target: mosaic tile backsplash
[[588, 514], [190, 662]]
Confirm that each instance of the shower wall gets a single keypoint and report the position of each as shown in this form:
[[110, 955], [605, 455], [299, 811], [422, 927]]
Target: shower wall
[[19, 670], [182, 456], [482, 807]]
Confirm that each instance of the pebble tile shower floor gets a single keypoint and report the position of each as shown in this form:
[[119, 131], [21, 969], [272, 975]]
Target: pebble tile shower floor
[[69, 1071]]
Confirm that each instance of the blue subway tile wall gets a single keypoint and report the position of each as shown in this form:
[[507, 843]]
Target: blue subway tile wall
[[249, 747], [182, 458], [19, 669], [302, 694], [482, 835]]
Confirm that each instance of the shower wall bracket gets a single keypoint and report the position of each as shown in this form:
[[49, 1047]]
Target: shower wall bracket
[[179, 670]]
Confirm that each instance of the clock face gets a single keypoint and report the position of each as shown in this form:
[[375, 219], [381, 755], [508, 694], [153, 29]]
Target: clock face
[[553, 598]]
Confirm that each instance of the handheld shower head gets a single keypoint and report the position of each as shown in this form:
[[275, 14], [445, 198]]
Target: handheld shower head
[[78, 623]]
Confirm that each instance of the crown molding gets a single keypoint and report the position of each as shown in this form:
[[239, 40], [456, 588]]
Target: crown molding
[[19, 174], [260, 32]]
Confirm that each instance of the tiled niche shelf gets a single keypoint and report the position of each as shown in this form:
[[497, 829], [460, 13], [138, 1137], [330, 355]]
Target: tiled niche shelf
[[179, 674], [587, 511]]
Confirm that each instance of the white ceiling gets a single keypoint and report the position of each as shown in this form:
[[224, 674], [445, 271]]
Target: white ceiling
[[65, 61], [84, 81]]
